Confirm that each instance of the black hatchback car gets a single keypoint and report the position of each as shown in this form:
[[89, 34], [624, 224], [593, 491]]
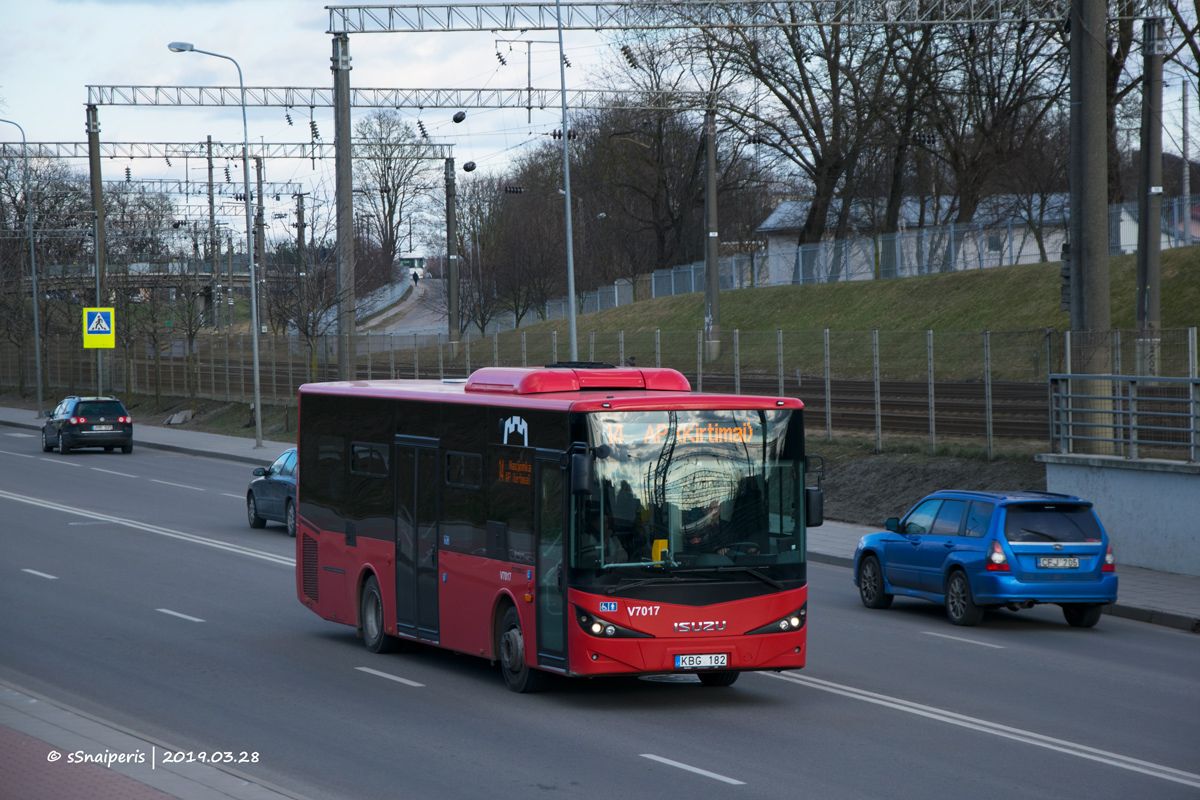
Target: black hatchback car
[[88, 422]]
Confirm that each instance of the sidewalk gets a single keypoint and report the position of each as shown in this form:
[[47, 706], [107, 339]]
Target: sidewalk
[[42, 745]]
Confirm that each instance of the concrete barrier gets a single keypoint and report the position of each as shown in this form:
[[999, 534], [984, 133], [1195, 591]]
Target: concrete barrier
[[1150, 507]]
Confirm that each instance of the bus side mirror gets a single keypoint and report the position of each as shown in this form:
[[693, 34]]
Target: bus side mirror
[[581, 473], [814, 507]]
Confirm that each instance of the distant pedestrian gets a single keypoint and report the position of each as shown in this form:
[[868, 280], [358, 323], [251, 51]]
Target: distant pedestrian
[[416, 277]]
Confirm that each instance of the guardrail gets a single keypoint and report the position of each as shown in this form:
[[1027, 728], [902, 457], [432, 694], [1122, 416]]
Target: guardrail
[[1118, 414]]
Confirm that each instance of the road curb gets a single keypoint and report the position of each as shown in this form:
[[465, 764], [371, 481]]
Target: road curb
[[173, 448], [1167, 619]]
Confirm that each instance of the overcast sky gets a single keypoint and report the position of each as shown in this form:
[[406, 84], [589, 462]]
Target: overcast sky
[[51, 50]]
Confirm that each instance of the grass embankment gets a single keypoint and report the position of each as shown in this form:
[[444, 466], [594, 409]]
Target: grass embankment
[[1012, 298]]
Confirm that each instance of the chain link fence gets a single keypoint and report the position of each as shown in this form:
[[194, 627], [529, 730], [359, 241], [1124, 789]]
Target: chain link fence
[[992, 385]]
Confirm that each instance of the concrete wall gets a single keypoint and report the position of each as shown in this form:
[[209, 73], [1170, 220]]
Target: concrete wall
[[1150, 508]]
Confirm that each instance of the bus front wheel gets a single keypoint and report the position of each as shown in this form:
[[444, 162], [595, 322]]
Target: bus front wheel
[[722, 678], [510, 650], [371, 619]]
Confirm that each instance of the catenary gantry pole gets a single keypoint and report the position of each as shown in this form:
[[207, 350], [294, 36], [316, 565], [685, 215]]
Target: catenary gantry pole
[[344, 187]]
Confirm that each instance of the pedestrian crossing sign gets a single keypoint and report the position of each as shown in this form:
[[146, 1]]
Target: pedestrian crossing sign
[[98, 331]]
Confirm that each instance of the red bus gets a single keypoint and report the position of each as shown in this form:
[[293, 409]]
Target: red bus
[[578, 519]]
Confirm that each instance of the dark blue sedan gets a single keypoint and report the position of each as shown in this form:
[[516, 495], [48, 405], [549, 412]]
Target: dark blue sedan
[[272, 493], [973, 551]]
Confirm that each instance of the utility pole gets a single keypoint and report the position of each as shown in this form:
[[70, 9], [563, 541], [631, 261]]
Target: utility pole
[[1187, 169], [712, 244], [345, 209], [300, 271], [1149, 257], [260, 238], [450, 274], [97, 185], [214, 246]]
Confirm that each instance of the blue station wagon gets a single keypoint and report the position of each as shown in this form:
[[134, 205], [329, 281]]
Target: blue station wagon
[[973, 551]]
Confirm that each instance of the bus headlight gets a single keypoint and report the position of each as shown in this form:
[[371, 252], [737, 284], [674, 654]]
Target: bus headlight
[[787, 624], [595, 626]]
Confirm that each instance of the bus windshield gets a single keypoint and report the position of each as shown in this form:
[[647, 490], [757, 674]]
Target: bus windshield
[[691, 491]]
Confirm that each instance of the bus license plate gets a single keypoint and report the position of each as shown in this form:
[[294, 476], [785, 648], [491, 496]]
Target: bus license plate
[[702, 661], [1058, 563], [102, 427]]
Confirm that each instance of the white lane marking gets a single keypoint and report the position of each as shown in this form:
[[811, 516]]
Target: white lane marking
[[180, 485], [114, 472], [960, 639], [141, 526], [177, 614], [90, 522], [395, 678], [234, 496], [689, 768], [996, 729], [21, 435], [22, 455], [60, 461], [40, 574]]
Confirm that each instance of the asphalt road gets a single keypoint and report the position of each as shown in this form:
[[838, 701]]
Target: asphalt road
[[132, 588]]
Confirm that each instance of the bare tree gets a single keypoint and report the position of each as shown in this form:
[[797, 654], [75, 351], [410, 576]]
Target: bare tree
[[391, 185]]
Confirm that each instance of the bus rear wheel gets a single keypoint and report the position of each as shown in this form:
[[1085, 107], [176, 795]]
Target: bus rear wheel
[[371, 619], [722, 678], [510, 650]]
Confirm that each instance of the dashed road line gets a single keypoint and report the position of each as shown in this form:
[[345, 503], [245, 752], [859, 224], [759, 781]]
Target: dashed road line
[[40, 574], [996, 729], [179, 485], [114, 472], [395, 678], [60, 461], [690, 768], [177, 614], [961, 639], [234, 496]]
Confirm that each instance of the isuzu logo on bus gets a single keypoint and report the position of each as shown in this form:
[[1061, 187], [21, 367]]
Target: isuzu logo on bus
[[516, 425], [698, 627]]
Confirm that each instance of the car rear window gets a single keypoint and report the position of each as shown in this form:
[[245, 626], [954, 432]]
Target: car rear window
[[109, 409], [1058, 522]]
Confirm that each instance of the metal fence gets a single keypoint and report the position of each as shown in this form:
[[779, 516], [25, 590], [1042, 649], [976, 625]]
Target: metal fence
[[1126, 416], [990, 385]]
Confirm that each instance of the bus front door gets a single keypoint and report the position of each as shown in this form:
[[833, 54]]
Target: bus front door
[[551, 594], [416, 537]]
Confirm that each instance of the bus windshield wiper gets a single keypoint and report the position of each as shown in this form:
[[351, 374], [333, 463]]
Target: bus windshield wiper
[[751, 570]]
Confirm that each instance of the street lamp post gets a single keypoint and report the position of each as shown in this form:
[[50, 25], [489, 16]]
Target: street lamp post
[[37, 335], [187, 47]]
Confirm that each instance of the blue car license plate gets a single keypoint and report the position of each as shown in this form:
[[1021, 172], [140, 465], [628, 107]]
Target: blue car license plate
[[1058, 562]]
